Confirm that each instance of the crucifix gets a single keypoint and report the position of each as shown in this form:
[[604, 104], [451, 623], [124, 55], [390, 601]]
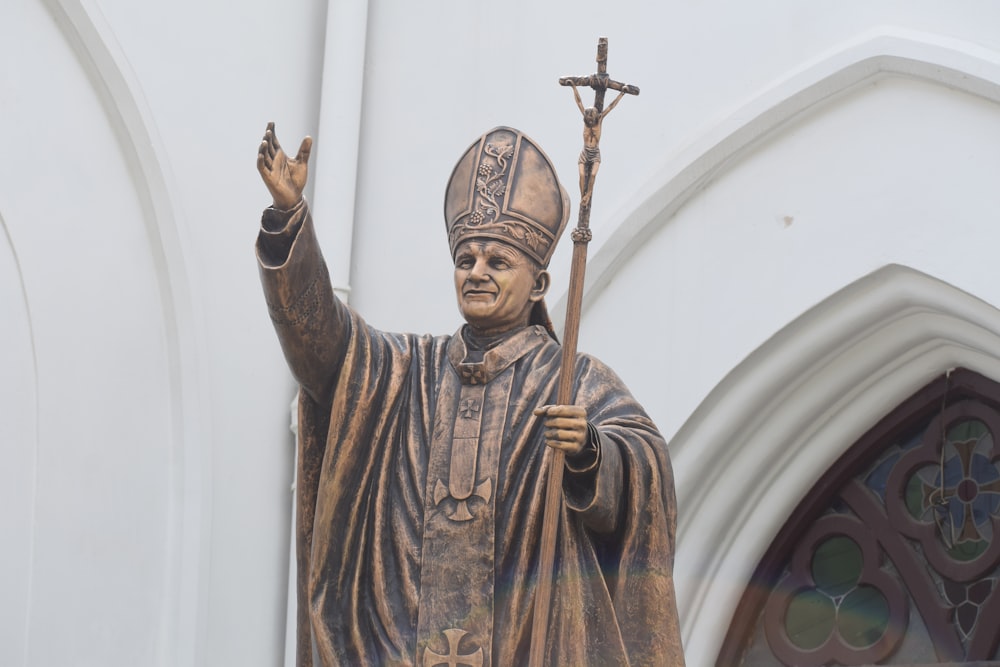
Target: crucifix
[[593, 117], [590, 160]]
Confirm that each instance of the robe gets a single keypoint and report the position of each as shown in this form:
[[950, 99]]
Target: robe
[[421, 487]]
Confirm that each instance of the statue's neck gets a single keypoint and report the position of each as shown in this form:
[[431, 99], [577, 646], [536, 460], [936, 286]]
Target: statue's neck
[[477, 341]]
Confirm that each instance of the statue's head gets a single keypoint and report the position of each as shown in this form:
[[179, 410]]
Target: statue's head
[[497, 285], [504, 210]]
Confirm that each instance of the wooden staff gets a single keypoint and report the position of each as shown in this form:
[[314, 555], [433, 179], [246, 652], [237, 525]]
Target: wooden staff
[[590, 160]]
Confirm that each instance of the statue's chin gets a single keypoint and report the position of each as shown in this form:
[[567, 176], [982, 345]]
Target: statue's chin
[[491, 316]]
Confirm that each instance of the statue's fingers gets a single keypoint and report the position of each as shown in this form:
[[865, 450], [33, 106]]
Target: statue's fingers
[[567, 423], [562, 435], [305, 148], [264, 157], [565, 411], [272, 141], [569, 448]]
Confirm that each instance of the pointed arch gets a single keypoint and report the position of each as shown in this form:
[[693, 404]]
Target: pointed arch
[[764, 436], [885, 52], [19, 474], [115, 84], [877, 495]]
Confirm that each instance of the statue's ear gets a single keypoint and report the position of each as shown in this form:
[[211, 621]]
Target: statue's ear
[[541, 286]]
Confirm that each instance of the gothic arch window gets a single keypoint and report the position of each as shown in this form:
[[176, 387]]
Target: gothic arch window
[[893, 558]]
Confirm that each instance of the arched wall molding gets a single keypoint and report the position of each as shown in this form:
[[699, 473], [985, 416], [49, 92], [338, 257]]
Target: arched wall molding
[[101, 57], [20, 492], [885, 51], [761, 439]]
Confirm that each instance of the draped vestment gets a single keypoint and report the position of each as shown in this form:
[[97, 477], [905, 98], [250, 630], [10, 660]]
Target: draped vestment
[[421, 482]]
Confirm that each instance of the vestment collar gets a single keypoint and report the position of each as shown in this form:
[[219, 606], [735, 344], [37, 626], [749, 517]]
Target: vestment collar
[[497, 358]]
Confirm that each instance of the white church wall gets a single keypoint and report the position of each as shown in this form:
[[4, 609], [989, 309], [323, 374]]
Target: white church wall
[[436, 80], [213, 74], [151, 513], [170, 337], [769, 431], [18, 433], [97, 461], [898, 171], [895, 171]]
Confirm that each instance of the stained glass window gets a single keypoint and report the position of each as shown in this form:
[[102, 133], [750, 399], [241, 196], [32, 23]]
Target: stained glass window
[[894, 557]]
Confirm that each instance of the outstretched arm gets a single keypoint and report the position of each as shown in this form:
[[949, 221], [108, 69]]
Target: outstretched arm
[[312, 325], [611, 106], [576, 95], [284, 177]]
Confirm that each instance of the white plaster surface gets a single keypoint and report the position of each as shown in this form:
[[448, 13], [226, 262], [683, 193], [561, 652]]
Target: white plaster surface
[[818, 206], [147, 459], [18, 395], [98, 459]]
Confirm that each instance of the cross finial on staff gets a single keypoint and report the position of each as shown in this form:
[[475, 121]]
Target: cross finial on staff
[[600, 81]]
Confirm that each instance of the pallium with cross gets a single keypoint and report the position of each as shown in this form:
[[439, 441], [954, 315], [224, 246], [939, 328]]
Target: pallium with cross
[[590, 160]]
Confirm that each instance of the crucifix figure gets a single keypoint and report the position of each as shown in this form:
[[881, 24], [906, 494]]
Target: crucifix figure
[[590, 158]]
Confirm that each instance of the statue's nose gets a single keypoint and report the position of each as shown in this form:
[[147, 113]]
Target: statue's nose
[[480, 272]]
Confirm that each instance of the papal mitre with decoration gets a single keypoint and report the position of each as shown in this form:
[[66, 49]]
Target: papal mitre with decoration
[[505, 188]]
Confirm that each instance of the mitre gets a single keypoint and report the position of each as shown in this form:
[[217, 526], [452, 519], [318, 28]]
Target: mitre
[[505, 188]]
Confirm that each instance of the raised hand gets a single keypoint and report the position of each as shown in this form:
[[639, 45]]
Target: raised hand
[[284, 177], [565, 427]]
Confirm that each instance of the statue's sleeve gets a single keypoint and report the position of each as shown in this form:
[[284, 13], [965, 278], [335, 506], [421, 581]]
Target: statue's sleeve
[[629, 449], [592, 485], [638, 553], [313, 326]]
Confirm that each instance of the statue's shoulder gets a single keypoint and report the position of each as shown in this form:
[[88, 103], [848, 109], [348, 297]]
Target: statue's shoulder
[[597, 371], [418, 344]]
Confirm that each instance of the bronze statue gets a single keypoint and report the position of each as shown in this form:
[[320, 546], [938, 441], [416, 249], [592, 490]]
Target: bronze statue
[[422, 464]]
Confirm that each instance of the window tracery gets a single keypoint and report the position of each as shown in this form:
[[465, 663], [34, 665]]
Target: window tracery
[[894, 557]]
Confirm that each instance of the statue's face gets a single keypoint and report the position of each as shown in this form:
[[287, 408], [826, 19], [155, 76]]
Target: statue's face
[[496, 285]]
